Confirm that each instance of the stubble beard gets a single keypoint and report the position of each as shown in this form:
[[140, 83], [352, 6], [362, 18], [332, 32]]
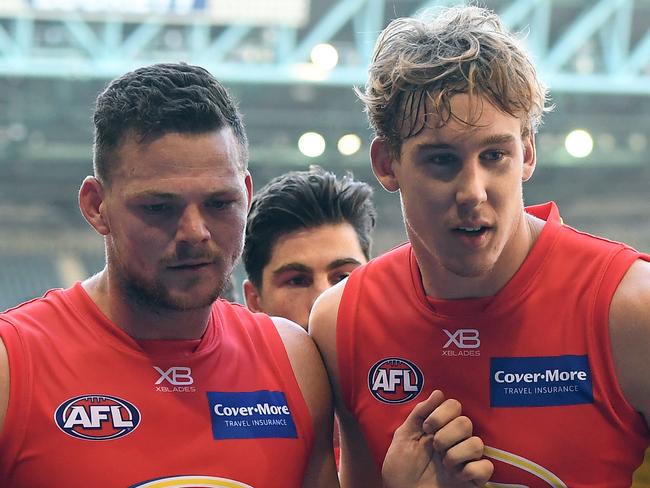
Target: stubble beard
[[154, 295]]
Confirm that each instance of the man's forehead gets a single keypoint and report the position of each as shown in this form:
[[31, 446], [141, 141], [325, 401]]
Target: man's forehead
[[168, 166], [461, 112], [320, 245], [480, 123], [209, 148]]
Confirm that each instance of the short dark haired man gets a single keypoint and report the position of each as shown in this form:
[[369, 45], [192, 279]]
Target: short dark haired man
[[306, 231], [139, 375]]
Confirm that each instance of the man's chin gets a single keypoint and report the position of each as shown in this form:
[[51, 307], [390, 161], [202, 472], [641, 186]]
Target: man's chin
[[172, 296], [470, 269], [182, 302]]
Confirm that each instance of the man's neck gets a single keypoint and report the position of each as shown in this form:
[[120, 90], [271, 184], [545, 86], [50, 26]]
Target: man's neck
[[142, 321], [441, 283]]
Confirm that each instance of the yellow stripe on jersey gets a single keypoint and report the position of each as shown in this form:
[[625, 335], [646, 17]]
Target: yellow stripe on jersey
[[525, 464], [641, 478], [193, 482]]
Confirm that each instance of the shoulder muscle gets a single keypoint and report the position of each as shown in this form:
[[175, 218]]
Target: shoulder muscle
[[629, 322]]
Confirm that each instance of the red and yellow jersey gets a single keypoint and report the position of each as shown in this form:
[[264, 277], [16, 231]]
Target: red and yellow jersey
[[90, 406], [531, 365]]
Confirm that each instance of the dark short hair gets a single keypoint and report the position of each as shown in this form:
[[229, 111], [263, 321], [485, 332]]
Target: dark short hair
[[303, 200], [158, 99]]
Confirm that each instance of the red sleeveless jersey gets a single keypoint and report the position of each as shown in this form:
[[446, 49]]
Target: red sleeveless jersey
[[90, 406], [531, 365]]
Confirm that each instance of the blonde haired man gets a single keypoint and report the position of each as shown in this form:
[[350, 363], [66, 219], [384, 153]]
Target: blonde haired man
[[539, 330]]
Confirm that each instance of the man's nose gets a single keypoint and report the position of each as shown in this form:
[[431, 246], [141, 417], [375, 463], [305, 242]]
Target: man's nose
[[321, 283], [471, 187], [192, 226]]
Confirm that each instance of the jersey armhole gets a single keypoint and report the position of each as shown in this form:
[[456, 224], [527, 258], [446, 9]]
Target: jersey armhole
[[346, 318], [19, 404], [601, 338], [279, 358]]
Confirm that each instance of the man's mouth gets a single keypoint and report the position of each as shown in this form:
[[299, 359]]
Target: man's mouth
[[190, 265], [472, 231]]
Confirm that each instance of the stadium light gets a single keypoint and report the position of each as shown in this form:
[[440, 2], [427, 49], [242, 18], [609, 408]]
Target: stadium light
[[349, 144], [325, 56], [638, 142], [579, 143], [311, 144]]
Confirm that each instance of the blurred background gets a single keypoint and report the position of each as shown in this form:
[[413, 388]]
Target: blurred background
[[292, 64]]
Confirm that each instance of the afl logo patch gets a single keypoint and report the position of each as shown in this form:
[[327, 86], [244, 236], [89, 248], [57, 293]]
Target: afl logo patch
[[395, 380], [97, 417]]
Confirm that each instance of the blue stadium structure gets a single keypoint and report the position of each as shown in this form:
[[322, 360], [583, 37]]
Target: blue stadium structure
[[56, 55], [45, 38]]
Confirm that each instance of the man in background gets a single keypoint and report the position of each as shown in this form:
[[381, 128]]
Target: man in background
[[306, 231]]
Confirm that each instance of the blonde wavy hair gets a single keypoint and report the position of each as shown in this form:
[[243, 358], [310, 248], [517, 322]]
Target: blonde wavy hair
[[419, 64]]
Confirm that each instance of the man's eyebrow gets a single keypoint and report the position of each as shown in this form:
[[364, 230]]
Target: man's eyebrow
[[342, 262], [489, 140], [154, 194], [292, 267], [498, 139], [431, 146], [173, 196]]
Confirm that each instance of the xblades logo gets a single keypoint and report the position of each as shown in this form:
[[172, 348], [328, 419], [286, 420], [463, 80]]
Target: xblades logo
[[178, 376], [466, 340], [175, 376]]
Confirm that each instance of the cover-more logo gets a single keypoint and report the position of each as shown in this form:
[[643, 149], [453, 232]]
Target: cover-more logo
[[462, 342], [251, 415], [395, 380], [179, 377]]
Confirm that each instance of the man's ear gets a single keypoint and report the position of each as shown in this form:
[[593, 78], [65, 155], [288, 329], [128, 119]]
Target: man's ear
[[248, 181], [252, 296], [382, 161], [91, 204], [530, 157]]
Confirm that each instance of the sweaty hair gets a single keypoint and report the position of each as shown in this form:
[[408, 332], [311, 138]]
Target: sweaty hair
[[418, 65], [304, 200], [158, 99]]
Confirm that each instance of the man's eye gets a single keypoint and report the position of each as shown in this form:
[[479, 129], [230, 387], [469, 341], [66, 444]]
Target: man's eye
[[156, 208], [495, 155], [298, 281], [219, 204], [442, 159], [338, 277]]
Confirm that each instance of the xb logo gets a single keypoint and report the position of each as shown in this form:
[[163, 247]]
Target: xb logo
[[176, 375], [463, 339]]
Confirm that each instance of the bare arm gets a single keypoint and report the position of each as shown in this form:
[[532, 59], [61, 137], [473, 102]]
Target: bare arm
[[629, 325], [357, 469], [315, 388], [4, 383]]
